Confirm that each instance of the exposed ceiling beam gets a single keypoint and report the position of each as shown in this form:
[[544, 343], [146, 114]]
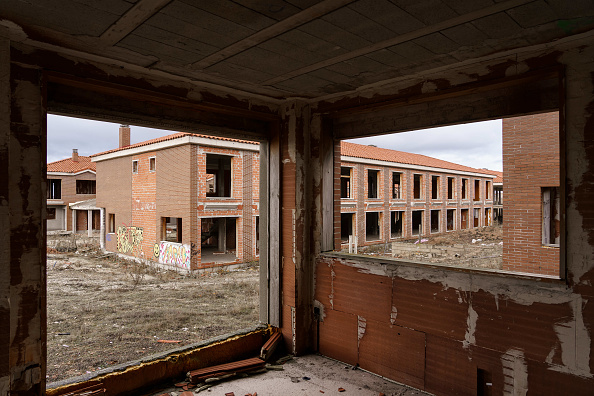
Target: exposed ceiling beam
[[134, 17], [270, 32], [459, 20]]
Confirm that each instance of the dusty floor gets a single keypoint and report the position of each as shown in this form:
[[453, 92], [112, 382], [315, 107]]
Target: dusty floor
[[473, 248], [103, 310], [306, 375]]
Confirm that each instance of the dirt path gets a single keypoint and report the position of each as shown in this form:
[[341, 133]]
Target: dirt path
[[105, 311]]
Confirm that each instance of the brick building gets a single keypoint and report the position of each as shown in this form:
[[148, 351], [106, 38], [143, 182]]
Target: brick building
[[388, 194], [185, 200], [71, 194], [532, 232]]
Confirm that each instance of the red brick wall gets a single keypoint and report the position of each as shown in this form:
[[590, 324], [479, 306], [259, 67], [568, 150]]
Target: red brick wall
[[530, 162], [360, 204]]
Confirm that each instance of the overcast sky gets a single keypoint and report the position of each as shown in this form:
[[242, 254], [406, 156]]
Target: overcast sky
[[477, 145]]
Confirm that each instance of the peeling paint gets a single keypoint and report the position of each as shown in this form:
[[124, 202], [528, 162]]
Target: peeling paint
[[471, 320], [332, 277], [393, 315], [515, 373], [361, 326]]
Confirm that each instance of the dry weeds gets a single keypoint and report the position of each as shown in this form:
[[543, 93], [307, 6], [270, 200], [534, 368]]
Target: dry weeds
[[105, 311]]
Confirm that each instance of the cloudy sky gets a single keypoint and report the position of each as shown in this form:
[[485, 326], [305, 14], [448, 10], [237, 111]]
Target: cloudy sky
[[477, 145]]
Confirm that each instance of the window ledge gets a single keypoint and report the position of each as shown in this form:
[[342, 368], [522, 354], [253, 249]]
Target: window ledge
[[393, 263]]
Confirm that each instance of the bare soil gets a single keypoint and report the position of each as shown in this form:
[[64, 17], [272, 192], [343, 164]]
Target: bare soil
[[103, 310], [473, 248]]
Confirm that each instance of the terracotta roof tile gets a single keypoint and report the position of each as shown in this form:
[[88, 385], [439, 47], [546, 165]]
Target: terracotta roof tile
[[382, 154], [172, 137], [69, 166], [498, 176]]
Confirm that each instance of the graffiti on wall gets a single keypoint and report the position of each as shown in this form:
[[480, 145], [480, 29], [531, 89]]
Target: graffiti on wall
[[173, 253], [129, 238]]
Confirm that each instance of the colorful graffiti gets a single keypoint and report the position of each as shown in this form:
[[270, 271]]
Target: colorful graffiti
[[129, 238], [174, 254]]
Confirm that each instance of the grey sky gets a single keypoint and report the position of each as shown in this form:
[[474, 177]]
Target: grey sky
[[477, 145]]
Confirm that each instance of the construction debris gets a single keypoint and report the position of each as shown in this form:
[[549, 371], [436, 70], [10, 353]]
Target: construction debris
[[93, 390], [200, 375], [270, 346]]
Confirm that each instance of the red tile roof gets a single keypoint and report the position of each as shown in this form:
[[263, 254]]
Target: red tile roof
[[382, 154], [172, 137], [69, 166], [498, 176]]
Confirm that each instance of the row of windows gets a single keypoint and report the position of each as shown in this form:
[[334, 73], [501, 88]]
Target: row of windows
[[346, 177], [152, 165], [373, 222], [54, 188]]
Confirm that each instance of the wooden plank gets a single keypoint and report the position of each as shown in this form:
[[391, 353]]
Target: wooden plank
[[287, 24], [274, 302], [139, 13], [264, 230], [496, 8]]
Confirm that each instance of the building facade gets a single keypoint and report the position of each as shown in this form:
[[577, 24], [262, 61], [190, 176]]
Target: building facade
[[388, 195], [71, 188], [183, 200]]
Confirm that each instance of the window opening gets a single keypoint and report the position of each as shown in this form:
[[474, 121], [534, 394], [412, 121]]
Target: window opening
[[219, 240], [172, 229], [372, 226], [487, 217], [85, 187], [396, 185], [451, 187], [51, 213], [417, 186], [450, 219], [54, 188], [396, 221], [464, 188], [346, 226], [417, 222], [218, 175], [372, 183], [111, 223], [477, 216], [487, 190], [134, 166], [152, 164], [477, 190], [345, 182], [435, 220], [435, 187]]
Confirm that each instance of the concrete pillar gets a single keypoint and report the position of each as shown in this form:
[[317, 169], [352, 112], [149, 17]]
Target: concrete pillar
[[74, 221], [90, 222], [222, 238]]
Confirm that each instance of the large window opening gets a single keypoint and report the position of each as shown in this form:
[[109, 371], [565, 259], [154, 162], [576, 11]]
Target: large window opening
[[396, 223], [345, 182], [417, 222], [451, 187], [450, 219], [435, 221], [372, 226], [113, 307], [417, 186], [346, 226], [372, 183], [218, 175], [396, 185], [477, 190], [464, 190], [435, 185]]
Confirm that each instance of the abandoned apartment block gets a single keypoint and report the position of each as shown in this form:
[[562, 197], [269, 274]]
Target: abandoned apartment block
[[388, 194], [183, 200]]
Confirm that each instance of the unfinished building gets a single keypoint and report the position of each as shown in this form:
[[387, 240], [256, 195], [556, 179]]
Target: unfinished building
[[298, 77], [182, 200], [388, 195]]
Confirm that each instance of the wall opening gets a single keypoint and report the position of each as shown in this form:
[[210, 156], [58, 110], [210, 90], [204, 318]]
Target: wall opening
[[464, 220], [54, 189], [372, 183], [396, 185], [172, 229], [464, 189], [396, 223], [551, 224], [476, 216], [218, 170], [477, 190], [435, 221], [417, 186], [372, 226], [346, 226], [345, 182], [417, 222], [85, 187], [450, 219], [451, 187], [435, 186]]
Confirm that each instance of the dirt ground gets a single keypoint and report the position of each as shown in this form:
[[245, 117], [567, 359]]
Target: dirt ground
[[103, 310], [473, 248]]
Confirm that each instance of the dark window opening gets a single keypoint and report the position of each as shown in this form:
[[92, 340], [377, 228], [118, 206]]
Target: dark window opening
[[396, 221], [172, 229], [257, 235], [477, 217], [396, 185], [218, 177], [372, 183], [488, 190], [464, 188], [51, 213], [417, 186], [417, 222], [435, 214], [450, 217], [487, 217], [551, 225], [372, 226], [135, 166], [111, 224], [345, 182], [477, 190], [152, 164], [218, 240], [435, 187], [54, 188], [85, 186], [464, 223], [451, 187], [346, 226]]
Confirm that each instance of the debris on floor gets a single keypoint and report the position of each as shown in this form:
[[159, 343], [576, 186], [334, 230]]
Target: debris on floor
[[93, 390], [270, 346]]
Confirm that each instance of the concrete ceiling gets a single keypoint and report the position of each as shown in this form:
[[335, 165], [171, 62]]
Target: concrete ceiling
[[291, 48]]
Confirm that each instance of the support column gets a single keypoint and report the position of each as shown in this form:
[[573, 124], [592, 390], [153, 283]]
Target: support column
[[73, 221], [89, 223], [222, 238]]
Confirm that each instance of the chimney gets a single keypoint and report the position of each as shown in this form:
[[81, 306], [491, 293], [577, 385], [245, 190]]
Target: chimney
[[124, 135], [75, 155]]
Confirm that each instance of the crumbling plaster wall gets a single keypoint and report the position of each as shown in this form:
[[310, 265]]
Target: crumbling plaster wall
[[435, 328]]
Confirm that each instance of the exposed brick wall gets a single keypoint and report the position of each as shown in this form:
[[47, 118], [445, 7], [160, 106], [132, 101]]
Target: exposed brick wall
[[69, 194], [360, 204], [530, 162]]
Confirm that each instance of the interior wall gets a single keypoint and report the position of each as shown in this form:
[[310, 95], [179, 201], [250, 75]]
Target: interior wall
[[454, 331]]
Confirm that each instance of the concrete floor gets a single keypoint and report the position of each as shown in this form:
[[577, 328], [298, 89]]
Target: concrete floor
[[325, 377], [209, 255]]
